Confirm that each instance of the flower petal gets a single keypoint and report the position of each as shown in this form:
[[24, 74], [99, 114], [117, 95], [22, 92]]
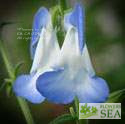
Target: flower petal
[[46, 50], [40, 20], [61, 86], [67, 22], [87, 65], [94, 90], [25, 86], [70, 54], [70, 47], [56, 87], [76, 18]]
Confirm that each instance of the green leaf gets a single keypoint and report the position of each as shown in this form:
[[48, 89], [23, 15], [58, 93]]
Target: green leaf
[[2, 86], [63, 4], [63, 118], [68, 10], [17, 67], [55, 12], [57, 20], [2, 24], [7, 83], [9, 89], [116, 96], [72, 112], [8, 80]]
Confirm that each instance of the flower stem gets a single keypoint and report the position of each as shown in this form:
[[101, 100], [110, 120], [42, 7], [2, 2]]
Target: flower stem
[[26, 111], [83, 121], [63, 5], [23, 104], [76, 103], [6, 62]]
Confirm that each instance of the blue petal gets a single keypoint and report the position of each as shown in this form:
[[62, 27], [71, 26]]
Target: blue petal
[[25, 87], [67, 22], [55, 87], [94, 91], [40, 20], [76, 18], [60, 86]]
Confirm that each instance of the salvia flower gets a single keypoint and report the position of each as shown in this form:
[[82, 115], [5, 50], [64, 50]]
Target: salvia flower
[[44, 48], [61, 75]]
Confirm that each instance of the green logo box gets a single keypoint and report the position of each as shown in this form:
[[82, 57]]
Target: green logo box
[[99, 110]]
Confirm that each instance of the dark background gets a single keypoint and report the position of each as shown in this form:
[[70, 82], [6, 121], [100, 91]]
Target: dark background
[[105, 37]]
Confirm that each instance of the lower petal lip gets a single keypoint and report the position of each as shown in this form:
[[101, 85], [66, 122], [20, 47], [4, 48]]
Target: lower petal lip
[[57, 87], [24, 86]]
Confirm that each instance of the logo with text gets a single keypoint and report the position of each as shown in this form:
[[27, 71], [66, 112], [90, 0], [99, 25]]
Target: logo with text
[[99, 110]]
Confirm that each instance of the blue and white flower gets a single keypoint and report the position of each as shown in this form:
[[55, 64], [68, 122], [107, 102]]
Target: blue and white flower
[[72, 74], [44, 48], [61, 75]]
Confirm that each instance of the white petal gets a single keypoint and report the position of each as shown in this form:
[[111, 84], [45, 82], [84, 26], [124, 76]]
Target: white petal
[[47, 49], [71, 57], [87, 61]]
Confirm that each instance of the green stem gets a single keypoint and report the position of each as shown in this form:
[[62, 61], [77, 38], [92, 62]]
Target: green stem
[[63, 5], [23, 104], [76, 102], [6, 62], [82, 121], [26, 111]]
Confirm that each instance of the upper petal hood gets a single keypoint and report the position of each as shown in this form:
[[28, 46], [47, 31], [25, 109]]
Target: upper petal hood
[[76, 19], [74, 48], [40, 20], [47, 47]]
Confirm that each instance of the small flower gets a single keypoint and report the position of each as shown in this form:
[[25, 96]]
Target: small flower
[[44, 48], [72, 74]]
